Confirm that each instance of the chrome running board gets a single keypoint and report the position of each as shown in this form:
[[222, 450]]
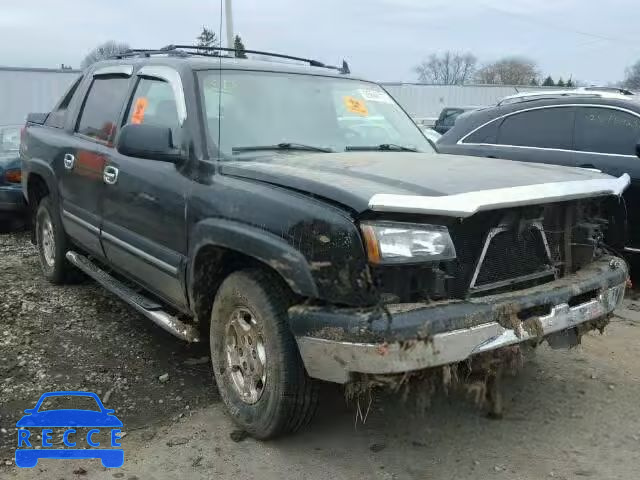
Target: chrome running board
[[142, 304]]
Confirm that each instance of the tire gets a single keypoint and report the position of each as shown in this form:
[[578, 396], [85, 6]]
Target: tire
[[52, 244], [281, 398]]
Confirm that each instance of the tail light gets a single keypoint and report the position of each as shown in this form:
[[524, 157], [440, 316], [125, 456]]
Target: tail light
[[13, 175]]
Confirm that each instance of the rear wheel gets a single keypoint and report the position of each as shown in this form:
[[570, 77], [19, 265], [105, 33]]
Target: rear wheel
[[52, 244], [256, 362]]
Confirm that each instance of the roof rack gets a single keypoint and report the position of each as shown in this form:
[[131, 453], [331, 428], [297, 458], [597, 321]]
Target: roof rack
[[554, 94], [188, 50]]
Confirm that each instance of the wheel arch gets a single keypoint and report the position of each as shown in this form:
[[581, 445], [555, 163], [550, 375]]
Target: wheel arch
[[220, 247], [40, 182]]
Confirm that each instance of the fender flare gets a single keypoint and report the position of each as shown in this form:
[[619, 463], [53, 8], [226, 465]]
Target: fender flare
[[256, 243], [42, 169]]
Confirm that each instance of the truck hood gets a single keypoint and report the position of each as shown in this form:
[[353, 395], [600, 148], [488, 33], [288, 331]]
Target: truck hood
[[424, 183]]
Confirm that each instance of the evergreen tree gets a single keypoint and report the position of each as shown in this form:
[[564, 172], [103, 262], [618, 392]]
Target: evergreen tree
[[534, 82], [548, 82], [570, 83], [239, 47], [207, 38], [560, 83]]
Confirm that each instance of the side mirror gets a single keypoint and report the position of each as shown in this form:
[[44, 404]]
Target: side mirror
[[148, 141]]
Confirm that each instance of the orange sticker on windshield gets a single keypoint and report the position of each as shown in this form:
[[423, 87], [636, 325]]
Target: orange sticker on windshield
[[138, 110], [356, 106]]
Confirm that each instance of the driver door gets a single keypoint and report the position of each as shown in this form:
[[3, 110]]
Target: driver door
[[144, 220]]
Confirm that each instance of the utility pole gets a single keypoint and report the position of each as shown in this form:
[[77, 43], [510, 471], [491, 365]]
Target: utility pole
[[229, 18]]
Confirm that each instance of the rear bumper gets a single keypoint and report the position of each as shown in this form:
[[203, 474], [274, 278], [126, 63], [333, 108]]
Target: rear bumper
[[409, 337], [11, 199]]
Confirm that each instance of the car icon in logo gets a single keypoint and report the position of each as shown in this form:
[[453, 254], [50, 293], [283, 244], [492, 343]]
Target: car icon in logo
[[70, 418]]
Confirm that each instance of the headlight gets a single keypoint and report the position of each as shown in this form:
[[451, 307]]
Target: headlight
[[393, 243]]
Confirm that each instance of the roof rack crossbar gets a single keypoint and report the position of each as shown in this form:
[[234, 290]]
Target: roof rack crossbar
[[185, 50]]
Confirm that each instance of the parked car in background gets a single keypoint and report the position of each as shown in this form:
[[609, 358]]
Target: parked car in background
[[589, 129], [447, 118], [12, 203]]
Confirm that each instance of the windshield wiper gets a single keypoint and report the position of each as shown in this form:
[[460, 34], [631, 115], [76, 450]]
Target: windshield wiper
[[384, 147], [282, 146]]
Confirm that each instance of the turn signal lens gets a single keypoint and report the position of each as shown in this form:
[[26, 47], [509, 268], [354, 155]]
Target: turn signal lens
[[13, 176]]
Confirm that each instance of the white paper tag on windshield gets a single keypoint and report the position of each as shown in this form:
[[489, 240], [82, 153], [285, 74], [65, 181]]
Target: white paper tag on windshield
[[375, 96]]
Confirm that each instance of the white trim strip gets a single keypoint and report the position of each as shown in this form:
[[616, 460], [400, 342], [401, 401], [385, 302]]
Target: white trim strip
[[81, 222], [567, 105], [136, 251], [466, 204]]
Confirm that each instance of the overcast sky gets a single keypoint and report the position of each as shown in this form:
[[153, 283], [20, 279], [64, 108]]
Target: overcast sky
[[383, 40]]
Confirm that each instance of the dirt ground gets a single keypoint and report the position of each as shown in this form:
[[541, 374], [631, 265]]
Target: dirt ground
[[569, 414]]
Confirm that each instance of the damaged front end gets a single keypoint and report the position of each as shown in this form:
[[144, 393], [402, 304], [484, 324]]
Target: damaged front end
[[519, 275]]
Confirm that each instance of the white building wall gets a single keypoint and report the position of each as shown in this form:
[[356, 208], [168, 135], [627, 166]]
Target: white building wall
[[24, 91], [427, 101]]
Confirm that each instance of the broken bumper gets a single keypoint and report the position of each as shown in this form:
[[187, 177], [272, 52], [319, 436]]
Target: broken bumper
[[334, 343]]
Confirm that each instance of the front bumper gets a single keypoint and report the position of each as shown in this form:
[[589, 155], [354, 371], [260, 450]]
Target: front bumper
[[334, 343], [11, 199]]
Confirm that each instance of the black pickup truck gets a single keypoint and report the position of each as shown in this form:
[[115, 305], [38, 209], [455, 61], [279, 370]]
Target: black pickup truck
[[297, 218]]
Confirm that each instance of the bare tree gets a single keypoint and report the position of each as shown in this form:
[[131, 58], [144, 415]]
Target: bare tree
[[104, 51], [450, 68], [509, 71], [632, 77]]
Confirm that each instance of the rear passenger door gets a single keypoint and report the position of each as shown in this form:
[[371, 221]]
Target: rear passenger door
[[542, 135], [88, 145], [144, 219], [606, 138]]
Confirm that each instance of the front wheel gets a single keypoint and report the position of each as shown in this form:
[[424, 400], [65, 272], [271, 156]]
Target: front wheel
[[256, 362], [52, 244]]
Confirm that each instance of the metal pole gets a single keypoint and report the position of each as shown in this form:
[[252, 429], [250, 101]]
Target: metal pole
[[229, 19]]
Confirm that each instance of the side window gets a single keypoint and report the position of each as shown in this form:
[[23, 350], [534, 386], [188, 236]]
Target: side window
[[605, 130], [545, 128], [486, 134], [448, 117], [154, 103], [102, 107], [57, 116]]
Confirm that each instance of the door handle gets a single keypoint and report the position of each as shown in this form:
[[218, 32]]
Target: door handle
[[69, 161], [110, 175]]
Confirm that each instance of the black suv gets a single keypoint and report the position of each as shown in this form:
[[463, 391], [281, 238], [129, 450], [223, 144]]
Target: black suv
[[298, 219], [588, 129]]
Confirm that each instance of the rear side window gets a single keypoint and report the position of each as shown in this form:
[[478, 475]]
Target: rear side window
[[606, 130], [102, 108], [545, 128], [57, 116], [486, 134]]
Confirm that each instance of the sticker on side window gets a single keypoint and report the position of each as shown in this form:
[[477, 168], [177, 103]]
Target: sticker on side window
[[137, 117], [375, 95], [356, 106]]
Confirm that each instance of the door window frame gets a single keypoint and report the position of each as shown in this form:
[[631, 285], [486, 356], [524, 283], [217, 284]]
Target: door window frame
[[123, 71]]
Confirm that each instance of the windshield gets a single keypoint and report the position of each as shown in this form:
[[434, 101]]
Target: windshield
[[9, 140], [264, 108]]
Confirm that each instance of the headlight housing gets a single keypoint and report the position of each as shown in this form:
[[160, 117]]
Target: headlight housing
[[397, 243]]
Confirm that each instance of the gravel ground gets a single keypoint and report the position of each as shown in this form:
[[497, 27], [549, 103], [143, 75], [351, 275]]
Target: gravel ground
[[568, 414]]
